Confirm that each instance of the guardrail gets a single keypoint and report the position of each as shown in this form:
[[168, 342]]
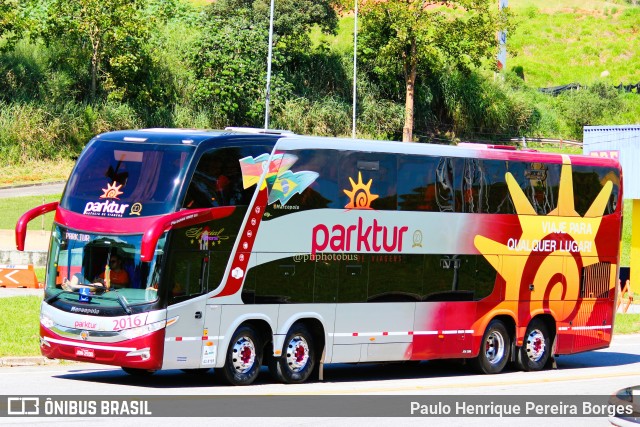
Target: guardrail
[[561, 142]]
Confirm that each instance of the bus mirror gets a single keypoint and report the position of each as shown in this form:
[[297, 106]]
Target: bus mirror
[[21, 225], [178, 219]]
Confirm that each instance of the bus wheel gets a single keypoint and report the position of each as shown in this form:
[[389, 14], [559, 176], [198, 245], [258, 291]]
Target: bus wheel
[[244, 358], [494, 349], [535, 351], [137, 372], [298, 357]]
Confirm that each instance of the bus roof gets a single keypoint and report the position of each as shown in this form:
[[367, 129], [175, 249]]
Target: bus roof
[[179, 136], [470, 150]]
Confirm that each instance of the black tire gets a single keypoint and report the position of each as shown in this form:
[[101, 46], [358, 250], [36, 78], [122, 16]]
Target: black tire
[[298, 358], [137, 372], [244, 358], [536, 348], [494, 349]]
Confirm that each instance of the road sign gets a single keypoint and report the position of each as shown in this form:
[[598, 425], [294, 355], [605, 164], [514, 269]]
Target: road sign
[[18, 276]]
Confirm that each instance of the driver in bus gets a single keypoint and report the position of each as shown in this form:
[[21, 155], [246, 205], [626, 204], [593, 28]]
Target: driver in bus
[[118, 277]]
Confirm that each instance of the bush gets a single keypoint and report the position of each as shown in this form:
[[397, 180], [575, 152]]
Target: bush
[[327, 117], [588, 106]]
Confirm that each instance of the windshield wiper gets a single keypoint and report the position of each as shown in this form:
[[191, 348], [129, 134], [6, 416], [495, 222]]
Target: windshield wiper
[[123, 302], [55, 297]]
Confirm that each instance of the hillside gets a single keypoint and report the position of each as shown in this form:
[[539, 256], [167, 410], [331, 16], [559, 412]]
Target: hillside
[[560, 42], [576, 41]]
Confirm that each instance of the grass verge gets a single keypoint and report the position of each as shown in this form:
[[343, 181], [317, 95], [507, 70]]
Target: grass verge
[[19, 326], [35, 172], [627, 323], [12, 208]]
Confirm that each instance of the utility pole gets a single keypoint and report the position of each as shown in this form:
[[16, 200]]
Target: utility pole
[[502, 40], [355, 62], [268, 92]]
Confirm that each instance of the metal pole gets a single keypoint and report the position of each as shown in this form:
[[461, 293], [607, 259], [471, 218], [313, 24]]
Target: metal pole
[[268, 94], [355, 58], [502, 41]]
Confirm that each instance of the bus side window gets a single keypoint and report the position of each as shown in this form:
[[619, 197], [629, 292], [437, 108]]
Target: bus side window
[[587, 184], [368, 180], [417, 183], [186, 275], [444, 185]]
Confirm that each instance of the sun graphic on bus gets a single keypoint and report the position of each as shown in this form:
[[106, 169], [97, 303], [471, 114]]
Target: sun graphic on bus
[[112, 191], [531, 263], [360, 195]]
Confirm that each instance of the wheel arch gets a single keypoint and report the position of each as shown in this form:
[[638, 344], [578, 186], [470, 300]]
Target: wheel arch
[[260, 324], [548, 320], [509, 322], [314, 322]]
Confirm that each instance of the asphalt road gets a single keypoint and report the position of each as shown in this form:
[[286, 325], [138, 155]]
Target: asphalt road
[[597, 373], [32, 190]]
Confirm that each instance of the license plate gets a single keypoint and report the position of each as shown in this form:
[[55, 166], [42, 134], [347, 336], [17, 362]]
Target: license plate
[[85, 352]]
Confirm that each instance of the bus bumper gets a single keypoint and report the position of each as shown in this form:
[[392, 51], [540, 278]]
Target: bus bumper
[[143, 352]]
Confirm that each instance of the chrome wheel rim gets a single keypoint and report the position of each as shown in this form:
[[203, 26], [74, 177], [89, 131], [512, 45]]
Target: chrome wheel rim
[[297, 353], [536, 345], [494, 348], [244, 355]]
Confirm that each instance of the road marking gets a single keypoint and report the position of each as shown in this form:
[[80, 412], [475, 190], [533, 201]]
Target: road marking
[[459, 386]]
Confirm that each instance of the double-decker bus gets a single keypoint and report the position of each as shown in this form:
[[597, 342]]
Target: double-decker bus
[[236, 250]]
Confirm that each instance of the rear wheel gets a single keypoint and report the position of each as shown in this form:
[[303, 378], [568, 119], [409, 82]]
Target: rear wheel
[[244, 358], [137, 372], [494, 349], [298, 357], [535, 351]]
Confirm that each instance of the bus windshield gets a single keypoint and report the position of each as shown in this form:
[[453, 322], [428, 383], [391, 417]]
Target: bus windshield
[[122, 180], [103, 271]]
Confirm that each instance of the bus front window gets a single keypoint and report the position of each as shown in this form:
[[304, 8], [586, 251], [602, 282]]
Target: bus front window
[[105, 268]]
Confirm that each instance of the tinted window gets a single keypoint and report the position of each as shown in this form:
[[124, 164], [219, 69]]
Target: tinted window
[[282, 281], [186, 274], [218, 181], [457, 277], [417, 183], [114, 179], [497, 195], [368, 180], [358, 278], [307, 179], [540, 183], [587, 184]]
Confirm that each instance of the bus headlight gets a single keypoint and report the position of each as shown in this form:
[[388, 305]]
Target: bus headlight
[[142, 330], [46, 322]]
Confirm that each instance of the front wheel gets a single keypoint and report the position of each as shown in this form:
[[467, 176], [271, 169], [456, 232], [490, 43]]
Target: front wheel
[[298, 357], [494, 349], [244, 358], [535, 351]]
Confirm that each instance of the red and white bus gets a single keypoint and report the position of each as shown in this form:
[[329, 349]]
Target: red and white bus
[[244, 249]]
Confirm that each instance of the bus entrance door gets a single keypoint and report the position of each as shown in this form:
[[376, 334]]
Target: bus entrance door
[[186, 311], [183, 342]]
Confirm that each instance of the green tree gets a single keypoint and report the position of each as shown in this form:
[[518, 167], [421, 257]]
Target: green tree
[[109, 35], [230, 60], [408, 37], [13, 20]]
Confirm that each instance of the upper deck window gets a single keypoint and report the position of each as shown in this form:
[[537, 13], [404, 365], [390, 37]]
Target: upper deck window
[[219, 181], [115, 179]]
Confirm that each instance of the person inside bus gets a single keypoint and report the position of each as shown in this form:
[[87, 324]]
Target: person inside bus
[[118, 277]]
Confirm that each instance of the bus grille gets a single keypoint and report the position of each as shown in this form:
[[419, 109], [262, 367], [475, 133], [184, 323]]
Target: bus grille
[[595, 280]]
